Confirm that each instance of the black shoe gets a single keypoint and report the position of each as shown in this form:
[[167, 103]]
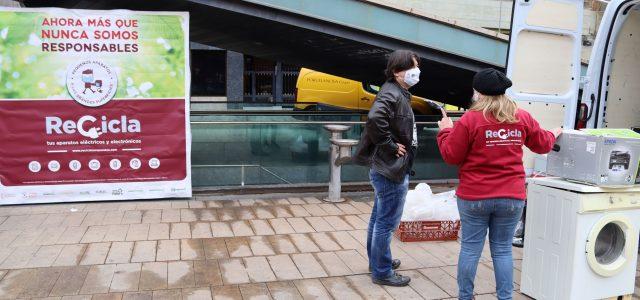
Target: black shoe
[[518, 242], [393, 280], [395, 264]]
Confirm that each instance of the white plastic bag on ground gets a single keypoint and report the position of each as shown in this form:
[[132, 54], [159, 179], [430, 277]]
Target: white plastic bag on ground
[[422, 205]]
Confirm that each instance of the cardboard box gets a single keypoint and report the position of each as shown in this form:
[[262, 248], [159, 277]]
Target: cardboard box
[[603, 157]]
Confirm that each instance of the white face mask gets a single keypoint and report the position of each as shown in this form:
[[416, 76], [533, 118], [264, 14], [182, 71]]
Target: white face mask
[[412, 76]]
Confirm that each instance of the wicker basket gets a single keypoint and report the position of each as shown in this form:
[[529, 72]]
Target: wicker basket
[[421, 231]]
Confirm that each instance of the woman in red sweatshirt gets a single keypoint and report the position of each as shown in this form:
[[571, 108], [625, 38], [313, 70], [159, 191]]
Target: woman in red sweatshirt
[[486, 145]]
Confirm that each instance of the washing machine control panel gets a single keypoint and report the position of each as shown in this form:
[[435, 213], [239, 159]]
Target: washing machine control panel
[[608, 201]]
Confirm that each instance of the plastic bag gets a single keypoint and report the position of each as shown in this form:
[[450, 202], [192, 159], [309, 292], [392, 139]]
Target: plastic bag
[[422, 204]]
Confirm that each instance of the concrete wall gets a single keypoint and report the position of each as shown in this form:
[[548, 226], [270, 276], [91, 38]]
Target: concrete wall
[[476, 13], [493, 14]]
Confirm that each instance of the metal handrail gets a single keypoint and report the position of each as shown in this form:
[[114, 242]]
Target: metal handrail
[[293, 122], [272, 112], [289, 111], [225, 166]]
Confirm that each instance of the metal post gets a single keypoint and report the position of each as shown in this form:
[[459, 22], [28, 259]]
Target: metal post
[[335, 185], [242, 176], [334, 167]]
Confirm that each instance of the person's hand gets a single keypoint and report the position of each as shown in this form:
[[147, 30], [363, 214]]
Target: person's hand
[[446, 122], [401, 150], [556, 132]]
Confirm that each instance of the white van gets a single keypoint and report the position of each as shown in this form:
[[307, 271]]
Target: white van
[[544, 63]]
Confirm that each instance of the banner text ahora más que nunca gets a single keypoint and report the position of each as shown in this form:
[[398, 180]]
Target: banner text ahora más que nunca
[[93, 105]]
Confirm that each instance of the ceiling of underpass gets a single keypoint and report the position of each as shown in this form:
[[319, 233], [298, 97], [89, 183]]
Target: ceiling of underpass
[[296, 39]]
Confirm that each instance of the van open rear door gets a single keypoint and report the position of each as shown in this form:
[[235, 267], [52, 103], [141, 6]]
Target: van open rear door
[[544, 59]]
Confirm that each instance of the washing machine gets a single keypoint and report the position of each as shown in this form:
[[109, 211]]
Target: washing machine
[[581, 241]]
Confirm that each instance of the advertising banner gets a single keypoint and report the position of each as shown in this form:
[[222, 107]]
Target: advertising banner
[[93, 105]]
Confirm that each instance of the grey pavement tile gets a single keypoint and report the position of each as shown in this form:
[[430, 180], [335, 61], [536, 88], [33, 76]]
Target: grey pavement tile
[[70, 281], [116, 233], [207, 273], [180, 231], [98, 279], [126, 278], [238, 247], [203, 293], [425, 287], [110, 296], [258, 269], [45, 256], [168, 250], [144, 251], [284, 290], [19, 257], [284, 267], [41, 282], [304, 243], [366, 288], [95, 254], [180, 274], [256, 291], [221, 229], [340, 288], [442, 279], [71, 255], [227, 292], [282, 244], [215, 248], [173, 294], [325, 241], [308, 266], [312, 289], [233, 271], [191, 249], [120, 252], [159, 231], [138, 296], [153, 276], [260, 246], [333, 265], [14, 282]]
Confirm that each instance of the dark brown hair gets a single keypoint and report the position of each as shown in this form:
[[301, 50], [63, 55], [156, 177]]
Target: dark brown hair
[[398, 61]]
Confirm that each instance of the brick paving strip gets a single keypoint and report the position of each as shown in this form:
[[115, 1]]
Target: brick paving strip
[[295, 248]]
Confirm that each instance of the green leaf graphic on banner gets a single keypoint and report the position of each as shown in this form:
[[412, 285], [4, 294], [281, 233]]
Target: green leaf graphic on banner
[[28, 72]]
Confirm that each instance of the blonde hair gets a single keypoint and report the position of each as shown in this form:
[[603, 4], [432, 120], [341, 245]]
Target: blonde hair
[[500, 107]]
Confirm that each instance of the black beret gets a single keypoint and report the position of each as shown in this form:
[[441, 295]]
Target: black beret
[[491, 82]]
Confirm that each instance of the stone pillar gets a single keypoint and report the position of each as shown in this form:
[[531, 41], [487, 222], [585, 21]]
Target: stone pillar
[[235, 76], [279, 83]]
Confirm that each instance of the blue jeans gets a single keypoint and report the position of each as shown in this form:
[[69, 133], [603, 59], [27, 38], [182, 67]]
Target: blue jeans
[[500, 216], [385, 218]]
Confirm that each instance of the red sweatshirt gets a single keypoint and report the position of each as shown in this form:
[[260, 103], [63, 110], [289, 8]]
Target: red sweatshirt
[[489, 154]]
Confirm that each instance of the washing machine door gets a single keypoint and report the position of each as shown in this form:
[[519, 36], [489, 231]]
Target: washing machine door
[[611, 244]]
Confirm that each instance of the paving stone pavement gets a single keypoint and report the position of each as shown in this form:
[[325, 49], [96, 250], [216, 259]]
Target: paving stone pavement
[[294, 248]]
